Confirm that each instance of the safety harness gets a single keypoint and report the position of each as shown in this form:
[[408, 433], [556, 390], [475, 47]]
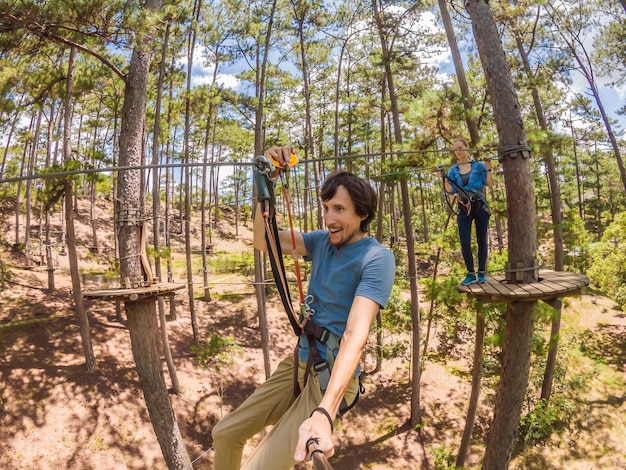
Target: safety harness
[[461, 200], [266, 173]]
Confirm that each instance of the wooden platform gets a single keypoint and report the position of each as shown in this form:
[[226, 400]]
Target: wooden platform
[[551, 285], [138, 293]]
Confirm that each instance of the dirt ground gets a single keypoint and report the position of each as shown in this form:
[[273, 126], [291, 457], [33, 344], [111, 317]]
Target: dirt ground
[[54, 415]]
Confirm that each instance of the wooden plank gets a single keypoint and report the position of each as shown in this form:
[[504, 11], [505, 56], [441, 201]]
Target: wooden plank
[[527, 290], [154, 290], [551, 285], [568, 282]]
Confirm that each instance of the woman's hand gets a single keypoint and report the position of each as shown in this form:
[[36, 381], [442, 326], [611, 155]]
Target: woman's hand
[[487, 161]]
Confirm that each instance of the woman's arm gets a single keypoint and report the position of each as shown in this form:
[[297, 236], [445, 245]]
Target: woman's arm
[[489, 180]]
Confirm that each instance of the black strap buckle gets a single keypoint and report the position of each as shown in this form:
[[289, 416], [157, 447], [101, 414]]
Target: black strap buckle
[[320, 333]]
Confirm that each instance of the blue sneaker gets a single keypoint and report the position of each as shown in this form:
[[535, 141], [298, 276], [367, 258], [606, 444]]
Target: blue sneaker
[[482, 277], [470, 279]]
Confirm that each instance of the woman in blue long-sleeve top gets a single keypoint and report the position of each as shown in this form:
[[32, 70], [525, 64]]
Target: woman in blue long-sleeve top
[[472, 177]]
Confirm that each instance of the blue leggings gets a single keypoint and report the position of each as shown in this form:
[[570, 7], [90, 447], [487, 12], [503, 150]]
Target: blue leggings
[[480, 216]]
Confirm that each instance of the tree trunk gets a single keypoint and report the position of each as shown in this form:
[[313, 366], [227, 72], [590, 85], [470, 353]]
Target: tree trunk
[[81, 314], [514, 155], [557, 219], [203, 218], [92, 215], [611, 134], [259, 142], [477, 374], [48, 243], [468, 102], [142, 317], [10, 135], [169, 196], [32, 157], [142, 325], [548, 157], [408, 228], [472, 126], [191, 41], [379, 236], [18, 203], [546, 387], [582, 58], [423, 209], [156, 212]]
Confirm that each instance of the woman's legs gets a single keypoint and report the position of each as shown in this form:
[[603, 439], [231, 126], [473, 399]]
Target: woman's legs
[[482, 227], [464, 223]]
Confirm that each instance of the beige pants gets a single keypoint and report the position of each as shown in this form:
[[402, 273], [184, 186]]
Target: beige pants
[[271, 403]]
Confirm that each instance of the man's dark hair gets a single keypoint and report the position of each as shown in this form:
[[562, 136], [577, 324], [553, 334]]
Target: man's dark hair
[[361, 192]]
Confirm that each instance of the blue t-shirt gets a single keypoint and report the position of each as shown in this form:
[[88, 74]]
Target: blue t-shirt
[[364, 268]]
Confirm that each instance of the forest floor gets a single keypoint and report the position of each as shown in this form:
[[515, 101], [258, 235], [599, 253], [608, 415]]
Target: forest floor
[[54, 415]]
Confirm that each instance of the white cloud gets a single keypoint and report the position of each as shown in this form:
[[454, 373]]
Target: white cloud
[[202, 72]]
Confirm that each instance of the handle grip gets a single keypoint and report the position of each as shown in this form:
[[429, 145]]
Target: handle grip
[[293, 159], [320, 462]]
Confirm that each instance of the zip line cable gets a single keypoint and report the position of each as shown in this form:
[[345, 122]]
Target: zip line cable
[[84, 171]]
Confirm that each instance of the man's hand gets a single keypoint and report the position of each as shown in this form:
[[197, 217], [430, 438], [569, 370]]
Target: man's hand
[[281, 156], [317, 428]]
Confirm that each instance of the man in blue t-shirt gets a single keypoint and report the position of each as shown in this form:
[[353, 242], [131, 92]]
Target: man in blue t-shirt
[[351, 279]]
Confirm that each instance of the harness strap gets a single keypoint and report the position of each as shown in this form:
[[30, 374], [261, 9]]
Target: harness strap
[[265, 195], [324, 367], [278, 269]]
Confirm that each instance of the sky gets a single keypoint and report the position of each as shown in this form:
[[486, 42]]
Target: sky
[[613, 98]]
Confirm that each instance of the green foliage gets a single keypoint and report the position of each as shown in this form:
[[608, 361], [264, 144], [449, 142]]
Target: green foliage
[[444, 458], [397, 316], [52, 192], [609, 44], [242, 262], [565, 410], [162, 252], [8, 193], [544, 420], [543, 316], [608, 261], [217, 353], [576, 241], [399, 255], [5, 274], [104, 185], [396, 319], [451, 312]]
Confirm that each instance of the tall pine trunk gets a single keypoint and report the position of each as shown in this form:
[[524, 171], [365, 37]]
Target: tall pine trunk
[[142, 317], [408, 227], [81, 314], [259, 141], [514, 155]]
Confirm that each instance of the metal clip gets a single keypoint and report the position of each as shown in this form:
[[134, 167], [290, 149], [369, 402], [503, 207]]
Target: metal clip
[[265, 166], [306, 311]]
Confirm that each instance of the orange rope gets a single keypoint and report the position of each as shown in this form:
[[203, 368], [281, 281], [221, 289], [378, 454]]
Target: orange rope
[[287, 195]]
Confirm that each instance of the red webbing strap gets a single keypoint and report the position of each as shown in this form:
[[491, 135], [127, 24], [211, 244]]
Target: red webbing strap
[[287, 195]]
